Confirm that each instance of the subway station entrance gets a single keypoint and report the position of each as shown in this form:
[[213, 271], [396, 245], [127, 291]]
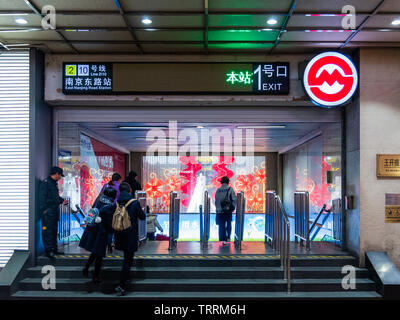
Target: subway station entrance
[[185, 159]]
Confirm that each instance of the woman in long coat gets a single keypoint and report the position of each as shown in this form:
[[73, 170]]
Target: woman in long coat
[[95, 238]]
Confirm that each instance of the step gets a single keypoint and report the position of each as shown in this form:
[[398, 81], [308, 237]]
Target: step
[[170, 285], [203, 272], [208, 261], [71, 295]]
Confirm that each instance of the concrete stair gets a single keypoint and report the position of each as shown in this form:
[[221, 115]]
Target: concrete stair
[[193, 277]]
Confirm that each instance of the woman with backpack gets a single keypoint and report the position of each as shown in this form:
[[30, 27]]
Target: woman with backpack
[[95, 237], [225, 202]]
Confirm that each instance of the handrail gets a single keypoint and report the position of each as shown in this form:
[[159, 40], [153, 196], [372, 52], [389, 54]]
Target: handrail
[[277, 232], [284, 241], [302, 218]]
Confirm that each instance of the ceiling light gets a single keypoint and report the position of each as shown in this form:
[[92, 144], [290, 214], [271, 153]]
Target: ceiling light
[[146, 20], [21, 21], [396, 22], [272, 21], [200, 127], [262, 127], [141, 127]]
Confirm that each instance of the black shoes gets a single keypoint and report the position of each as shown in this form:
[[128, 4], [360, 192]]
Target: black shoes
[[120, 291], [60, 253], [110, 248], [50, 255], [85, 272]]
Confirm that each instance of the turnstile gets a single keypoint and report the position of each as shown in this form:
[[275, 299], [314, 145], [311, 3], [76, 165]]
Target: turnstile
[[239, 222], [141, 197], [174, 210], [205, 220]]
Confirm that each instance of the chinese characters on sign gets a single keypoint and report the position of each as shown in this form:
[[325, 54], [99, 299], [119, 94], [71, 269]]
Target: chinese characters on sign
[[388, 165], [87, 78], [269, 78]]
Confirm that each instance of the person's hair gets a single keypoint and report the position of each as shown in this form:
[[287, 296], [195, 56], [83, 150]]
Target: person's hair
[[131, 175], [124, 186], [110, 192], [115, 177], [224, 180]]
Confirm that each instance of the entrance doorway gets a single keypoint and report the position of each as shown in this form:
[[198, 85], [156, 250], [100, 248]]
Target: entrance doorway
[[281, 156]]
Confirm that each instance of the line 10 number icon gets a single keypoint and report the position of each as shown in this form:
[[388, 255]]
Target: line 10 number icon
[[83, 70]]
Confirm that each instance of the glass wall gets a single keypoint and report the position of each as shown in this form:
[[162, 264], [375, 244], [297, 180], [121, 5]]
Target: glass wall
[[87, 163], [315, 167], [191, 176]]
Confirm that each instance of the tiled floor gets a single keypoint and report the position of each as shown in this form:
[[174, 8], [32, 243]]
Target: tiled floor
[[161, 247]]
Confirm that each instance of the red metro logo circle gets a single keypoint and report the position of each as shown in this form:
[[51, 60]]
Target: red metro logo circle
[[330, 79]]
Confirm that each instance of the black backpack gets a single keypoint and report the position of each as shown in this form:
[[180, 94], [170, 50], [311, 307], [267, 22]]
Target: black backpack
[[227, 205]]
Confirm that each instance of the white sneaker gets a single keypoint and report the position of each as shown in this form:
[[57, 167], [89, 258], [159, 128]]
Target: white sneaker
[[223, 243]]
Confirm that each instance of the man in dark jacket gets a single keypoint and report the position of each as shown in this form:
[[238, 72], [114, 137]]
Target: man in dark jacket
[[49, 202], [128, 240]]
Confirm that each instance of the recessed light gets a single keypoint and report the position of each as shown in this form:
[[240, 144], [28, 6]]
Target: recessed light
[[200, 127], [21, 21], [262, 127], [141, 127], [396, 22], [272, 21], [147, 20]]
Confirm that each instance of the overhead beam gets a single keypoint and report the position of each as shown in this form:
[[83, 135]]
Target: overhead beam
[[33, 7], [130, 29], [192, 13], [361, 26], [283, 27]]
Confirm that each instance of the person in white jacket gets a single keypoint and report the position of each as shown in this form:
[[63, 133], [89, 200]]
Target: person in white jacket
[[152, 224]]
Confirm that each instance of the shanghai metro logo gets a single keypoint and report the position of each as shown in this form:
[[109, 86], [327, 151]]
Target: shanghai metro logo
[[330, 79]]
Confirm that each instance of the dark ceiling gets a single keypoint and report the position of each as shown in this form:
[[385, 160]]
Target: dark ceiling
[[198, 26]]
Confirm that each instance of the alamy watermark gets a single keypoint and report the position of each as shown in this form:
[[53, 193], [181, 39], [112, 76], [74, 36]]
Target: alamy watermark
[[349, 280], [49, 17], [49, 280]]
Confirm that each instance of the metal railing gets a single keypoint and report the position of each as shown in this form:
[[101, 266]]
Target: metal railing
[[270, 231], [277, 232], [64, 223], [239, 221], [142, 224], [174, 210], [205, 220], [302, 218]]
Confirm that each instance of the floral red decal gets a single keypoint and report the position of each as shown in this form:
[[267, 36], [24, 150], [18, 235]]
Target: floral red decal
[[189, 174]]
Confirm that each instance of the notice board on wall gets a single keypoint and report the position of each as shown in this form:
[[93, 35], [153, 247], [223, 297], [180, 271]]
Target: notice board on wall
[[267, 78]]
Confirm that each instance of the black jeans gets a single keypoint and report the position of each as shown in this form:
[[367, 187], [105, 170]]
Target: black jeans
[[97, 265], [225, 229], [49, 230], [126, 268]]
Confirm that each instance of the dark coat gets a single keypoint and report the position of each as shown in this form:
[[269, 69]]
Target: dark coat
[[135, 185], [128, 240], [49, 197], [95, 238]]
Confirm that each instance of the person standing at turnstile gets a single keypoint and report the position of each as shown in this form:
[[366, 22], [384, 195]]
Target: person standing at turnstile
[[225, 202], [49, 202]]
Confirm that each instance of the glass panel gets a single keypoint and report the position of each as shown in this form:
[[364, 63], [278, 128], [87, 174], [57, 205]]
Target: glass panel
[[191, 176], [315, 167]]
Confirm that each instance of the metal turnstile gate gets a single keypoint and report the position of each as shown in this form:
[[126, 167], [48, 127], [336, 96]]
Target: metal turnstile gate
[[205, 220], [141, 197], [239, 222], [174, 210]]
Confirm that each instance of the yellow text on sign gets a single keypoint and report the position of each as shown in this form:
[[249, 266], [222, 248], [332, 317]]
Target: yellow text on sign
[[70, 70]]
